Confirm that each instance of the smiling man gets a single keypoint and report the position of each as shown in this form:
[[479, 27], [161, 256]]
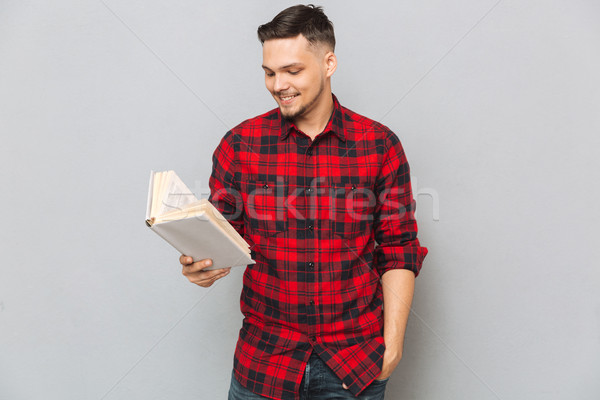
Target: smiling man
[[323, 196]]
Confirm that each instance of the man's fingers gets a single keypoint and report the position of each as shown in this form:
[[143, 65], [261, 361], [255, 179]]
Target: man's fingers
[[188, 261], [206, 279], [198, 266], [185, 260], [196, 274]]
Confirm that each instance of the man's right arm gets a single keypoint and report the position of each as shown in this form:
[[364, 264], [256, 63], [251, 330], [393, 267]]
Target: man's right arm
[[227, 199]]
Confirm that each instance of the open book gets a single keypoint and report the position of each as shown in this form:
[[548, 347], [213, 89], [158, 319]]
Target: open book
[[194, 227]]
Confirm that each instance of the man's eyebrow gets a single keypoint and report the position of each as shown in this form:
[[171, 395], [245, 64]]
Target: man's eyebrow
[[297, 64]]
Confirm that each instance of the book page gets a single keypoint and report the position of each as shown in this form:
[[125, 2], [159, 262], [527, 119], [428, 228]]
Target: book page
[[150, 193], [174, 194], [192, 210], [156, 178]]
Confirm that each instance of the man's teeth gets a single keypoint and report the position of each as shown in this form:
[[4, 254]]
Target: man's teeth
[[288, 98]]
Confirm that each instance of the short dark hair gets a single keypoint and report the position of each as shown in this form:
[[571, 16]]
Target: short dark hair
[[310, 21]]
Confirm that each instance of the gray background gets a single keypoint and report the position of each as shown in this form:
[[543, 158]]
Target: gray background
[[496, 103]]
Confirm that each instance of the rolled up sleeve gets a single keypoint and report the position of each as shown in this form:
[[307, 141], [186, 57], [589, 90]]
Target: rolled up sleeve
[[394, 221]]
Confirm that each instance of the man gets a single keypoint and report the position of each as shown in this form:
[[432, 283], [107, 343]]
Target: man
[[312, 186]]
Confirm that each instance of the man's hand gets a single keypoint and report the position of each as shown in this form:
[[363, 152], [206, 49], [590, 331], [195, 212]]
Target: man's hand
[[391, 358], [194, 271]]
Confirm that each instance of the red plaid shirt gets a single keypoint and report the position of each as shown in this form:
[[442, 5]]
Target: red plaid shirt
[[312, 212]]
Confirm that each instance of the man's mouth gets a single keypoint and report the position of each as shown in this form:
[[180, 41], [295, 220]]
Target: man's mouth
[[287, 99]]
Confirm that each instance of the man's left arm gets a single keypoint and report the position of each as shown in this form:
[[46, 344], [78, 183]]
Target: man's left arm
[[398, 288], [399, 255]]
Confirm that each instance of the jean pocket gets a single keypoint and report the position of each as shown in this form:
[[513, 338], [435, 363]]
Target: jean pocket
[[381, 381]]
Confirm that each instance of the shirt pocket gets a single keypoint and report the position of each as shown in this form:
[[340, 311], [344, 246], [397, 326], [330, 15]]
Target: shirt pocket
[[264, 205], [351, 208]]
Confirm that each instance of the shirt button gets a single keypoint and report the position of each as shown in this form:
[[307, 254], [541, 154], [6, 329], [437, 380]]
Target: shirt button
[[310, 227], [309, 152], [312, 338], [312, 303], [265, 186], [309, 190], [311, 265]]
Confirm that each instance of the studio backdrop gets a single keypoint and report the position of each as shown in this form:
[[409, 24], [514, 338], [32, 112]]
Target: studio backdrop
[[496, 102]]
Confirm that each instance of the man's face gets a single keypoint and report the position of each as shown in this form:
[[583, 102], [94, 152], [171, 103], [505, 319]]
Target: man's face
[[295, 74]]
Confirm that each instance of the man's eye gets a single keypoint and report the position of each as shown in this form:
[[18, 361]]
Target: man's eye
[[269, 74], [294, 72]]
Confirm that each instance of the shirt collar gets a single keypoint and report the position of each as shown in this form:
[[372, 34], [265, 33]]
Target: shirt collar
[[335, 123]]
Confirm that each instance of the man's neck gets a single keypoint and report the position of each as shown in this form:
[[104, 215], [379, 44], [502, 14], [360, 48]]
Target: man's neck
[[317, 120]]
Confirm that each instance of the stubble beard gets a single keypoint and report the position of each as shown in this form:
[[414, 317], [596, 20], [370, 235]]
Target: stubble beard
[[293, 115]]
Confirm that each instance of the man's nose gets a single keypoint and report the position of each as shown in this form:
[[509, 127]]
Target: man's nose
[[281, 83]]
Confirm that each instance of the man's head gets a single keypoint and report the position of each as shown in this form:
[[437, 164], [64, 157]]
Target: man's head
[[298, 60]]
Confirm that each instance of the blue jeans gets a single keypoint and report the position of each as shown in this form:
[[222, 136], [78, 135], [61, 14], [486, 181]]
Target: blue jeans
[[318, 383]]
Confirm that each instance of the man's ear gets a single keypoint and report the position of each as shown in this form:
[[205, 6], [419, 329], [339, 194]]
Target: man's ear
[[330, 63]]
